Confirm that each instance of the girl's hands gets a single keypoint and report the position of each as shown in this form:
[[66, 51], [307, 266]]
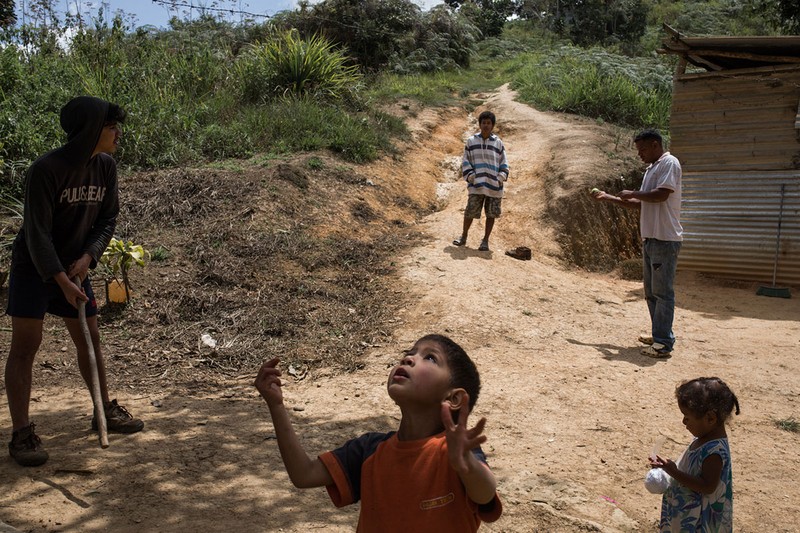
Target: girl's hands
[[268, 382], [668, 465], [460, 440]]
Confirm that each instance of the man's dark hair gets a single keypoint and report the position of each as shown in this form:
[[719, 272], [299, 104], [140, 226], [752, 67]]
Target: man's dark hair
[[487, 114], [649, 135], [115, 114], [463, 372]]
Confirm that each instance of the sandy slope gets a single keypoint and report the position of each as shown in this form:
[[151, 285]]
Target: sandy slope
[[572, 407]]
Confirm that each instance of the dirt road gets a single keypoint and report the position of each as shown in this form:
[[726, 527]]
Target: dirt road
[[572, 407]]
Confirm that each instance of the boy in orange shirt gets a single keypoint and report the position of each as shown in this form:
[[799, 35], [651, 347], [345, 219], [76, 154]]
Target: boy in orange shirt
[[429, 475]]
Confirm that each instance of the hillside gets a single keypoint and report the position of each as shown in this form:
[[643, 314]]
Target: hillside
[[337, 268]]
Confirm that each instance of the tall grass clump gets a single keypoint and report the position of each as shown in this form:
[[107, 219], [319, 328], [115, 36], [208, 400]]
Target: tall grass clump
[[633, 92], [291, 65], [292, 124]]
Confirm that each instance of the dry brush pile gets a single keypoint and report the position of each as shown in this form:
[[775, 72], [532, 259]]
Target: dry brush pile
[[292, 259]]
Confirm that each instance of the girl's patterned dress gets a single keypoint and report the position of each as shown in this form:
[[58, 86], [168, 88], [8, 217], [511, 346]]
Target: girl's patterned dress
[[684, 510]]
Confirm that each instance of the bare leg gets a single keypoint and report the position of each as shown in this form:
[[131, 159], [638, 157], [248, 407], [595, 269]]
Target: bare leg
[[75, 331], [465, 230], [26, 336], [488, 229]]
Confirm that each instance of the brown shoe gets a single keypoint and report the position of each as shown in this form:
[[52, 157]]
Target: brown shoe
[[26, 447], [520, 252], [119, 420]]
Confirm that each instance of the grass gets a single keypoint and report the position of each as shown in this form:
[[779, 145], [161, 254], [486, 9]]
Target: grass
[[633, 92], [439, 88], [160, 253], [788, 424]]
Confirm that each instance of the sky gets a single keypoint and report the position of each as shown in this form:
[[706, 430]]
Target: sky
[[148, 12]]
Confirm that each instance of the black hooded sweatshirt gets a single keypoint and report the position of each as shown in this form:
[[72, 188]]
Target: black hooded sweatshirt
[[71, 198]]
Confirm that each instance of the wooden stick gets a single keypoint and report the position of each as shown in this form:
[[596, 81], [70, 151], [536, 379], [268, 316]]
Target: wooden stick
[[97, 397]]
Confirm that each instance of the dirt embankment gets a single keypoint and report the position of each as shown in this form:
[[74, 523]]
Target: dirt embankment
[[572, 407]]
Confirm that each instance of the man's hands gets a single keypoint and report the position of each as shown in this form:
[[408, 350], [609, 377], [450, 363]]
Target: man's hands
[[460, 440], [626, 198], [72, 292], [71, 287], [268, 382], [80, 267]]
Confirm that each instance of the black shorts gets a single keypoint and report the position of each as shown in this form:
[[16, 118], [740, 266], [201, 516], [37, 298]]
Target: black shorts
[[30, 297]]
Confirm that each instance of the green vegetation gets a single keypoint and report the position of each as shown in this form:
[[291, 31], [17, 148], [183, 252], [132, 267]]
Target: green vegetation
[[290, 65], [160, 253], [186, 96], [633, 92], [119, 257], [208, 89], [788, 424]]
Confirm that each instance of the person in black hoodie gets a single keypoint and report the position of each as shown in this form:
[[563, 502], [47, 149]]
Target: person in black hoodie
[[71, 206]]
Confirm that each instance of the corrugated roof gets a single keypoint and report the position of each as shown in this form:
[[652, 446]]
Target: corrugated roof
[[726, 53]]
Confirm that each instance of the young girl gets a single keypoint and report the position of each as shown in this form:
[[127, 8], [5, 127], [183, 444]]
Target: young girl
[[700, 498]]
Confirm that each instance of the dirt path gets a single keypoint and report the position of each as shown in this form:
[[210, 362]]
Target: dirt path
[[572, 407]]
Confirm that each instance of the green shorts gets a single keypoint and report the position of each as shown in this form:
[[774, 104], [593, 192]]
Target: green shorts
[[476, 202]]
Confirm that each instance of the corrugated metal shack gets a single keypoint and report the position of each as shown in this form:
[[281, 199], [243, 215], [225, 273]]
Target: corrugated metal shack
[[735, 127]]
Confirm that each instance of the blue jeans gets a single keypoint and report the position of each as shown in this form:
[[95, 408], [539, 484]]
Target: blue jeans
[[660, 260]]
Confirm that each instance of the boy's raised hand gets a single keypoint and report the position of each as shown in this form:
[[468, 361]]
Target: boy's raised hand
[[268, 382], [460, 439]]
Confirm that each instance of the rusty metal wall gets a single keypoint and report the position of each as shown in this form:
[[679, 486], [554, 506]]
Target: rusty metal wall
[[734, 133], [730, 223]]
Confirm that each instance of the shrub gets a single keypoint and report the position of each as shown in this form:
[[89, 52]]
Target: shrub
[[291, 65], [372, 31], [597, 84]]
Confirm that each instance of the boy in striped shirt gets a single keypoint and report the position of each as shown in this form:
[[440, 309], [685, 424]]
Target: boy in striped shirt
[[485, 169]]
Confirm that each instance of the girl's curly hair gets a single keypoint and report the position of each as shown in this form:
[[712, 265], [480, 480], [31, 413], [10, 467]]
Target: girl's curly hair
[[705, 395]]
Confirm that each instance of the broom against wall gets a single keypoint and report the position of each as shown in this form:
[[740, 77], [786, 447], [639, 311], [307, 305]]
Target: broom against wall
[[778, 292]]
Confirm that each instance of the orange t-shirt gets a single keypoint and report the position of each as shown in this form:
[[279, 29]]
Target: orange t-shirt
[[404, 485]]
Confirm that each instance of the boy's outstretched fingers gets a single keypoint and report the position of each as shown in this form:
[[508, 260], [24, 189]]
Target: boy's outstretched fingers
[[461, 440], [268, 381]]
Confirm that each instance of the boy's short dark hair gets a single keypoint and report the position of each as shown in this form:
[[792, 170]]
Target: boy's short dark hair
[[115, 114], [487, 114], [649, 135], [463, 372]]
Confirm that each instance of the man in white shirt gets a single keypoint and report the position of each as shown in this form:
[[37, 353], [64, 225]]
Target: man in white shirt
[[659, 203]]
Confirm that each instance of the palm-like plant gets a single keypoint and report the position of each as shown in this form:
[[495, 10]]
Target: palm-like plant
[[291, 65]]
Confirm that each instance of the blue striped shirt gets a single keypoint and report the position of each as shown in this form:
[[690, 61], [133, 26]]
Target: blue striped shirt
[[485, 167]]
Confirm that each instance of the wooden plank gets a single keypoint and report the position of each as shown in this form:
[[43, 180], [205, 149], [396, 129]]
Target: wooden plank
[[746, 55], [739, 72], [701, 61]]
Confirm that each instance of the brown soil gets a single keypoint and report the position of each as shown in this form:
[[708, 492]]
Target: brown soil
[[573, 409]]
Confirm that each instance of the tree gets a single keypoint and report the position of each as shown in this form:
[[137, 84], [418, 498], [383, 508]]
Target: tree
[[589, 22], [489, 16], [784, 13], [372, 30], [7, 15]]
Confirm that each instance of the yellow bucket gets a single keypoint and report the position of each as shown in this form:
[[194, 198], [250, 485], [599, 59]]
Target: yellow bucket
[[115, 292]]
